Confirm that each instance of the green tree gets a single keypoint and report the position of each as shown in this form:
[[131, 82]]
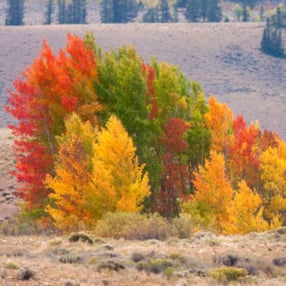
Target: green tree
[[151, 16], [272, 42], [73, 12], [237, 10], [214, 13], [15, 13], [164, 11], [245, 13], [49, 12], [118, 11], [192, 12]]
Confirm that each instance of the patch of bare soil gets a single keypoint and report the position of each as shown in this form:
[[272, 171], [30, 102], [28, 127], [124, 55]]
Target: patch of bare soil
[[224, 57], [8, 203], [39, 260]]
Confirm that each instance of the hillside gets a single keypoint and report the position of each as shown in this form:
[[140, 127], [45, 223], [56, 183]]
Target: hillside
[[224, 57]]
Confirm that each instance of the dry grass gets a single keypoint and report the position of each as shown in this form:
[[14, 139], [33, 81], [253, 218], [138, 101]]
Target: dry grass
[[58, 261]]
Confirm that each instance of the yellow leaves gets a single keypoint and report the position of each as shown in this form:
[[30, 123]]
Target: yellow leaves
[[246, 212], [96, 172], [116, 151], [273, 176], [213, 189]]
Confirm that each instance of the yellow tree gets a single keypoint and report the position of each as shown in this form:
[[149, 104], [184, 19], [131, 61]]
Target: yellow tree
[[246, 212], [273, 170], [219, 119], [213, 191], [72, 180], [116, 152]]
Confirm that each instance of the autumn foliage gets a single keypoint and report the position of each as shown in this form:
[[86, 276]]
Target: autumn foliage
[[102, 132]]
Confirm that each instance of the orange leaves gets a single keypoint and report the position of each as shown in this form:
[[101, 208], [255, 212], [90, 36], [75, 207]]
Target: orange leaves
[[219, 120]]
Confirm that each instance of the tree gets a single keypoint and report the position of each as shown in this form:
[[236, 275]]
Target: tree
[[95, 173], [51, 89], [62, 12], [219, 119], [151, 16], [72, 13], [49, 12], [246, 212], [192, 12], [164, 12], [214, 12], [175, 177], [238, 11], [71, 185], [245, 13], [272, 42], [116, 151], [273, 170], [213, 192], [118, 11], [15, 13], [243, 153]]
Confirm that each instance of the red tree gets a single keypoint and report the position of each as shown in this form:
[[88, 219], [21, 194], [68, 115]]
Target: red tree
[[175, 177], [49, 90]]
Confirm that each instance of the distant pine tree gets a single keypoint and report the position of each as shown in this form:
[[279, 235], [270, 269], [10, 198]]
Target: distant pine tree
[[272, 42], [151, 16], [118, 11], [73, 12], [192, 13], [49, 12], [214, 13], [61, 12], [15, 13], [164, 9]]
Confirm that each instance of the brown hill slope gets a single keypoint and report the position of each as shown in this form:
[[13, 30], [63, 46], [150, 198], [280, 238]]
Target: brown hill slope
[[224, 57]]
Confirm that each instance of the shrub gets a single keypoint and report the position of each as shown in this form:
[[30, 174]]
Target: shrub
[[155, 266], [80, 236], [182, 227], [132, 226], [228, 274], [11, 265]]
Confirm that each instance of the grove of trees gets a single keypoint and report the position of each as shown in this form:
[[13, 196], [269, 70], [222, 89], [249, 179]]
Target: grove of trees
[[123, 11], [15, 13], [102, 132], [272, 42]]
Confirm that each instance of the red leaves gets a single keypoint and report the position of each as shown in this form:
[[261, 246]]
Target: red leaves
[[53, 87], [244, 152], [149, 73], [175, 177], [174, 130]]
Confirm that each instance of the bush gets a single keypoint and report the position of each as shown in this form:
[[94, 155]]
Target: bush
[[228, 274], [182, 227], [155, 266], [80, 236], [132, 226]]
